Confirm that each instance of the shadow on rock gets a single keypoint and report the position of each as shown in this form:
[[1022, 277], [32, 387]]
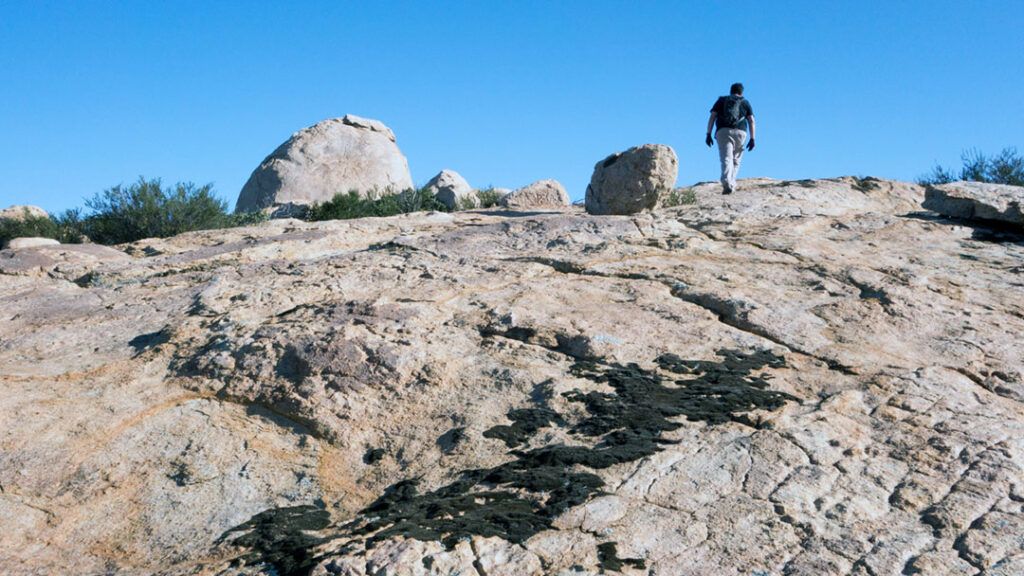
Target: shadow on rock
[[982, 230], [521, 498]]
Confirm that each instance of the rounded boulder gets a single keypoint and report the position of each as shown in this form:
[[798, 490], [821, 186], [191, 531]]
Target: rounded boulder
[[336, 156], [543, 194], [632, 181], [452, 190]]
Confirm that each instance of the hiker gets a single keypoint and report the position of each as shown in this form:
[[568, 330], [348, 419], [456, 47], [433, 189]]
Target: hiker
[[732, 114]]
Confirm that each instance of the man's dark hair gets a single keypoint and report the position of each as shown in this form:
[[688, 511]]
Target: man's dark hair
[[736, 89]]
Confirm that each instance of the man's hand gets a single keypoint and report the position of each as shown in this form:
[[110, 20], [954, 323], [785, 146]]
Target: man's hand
[[708, 140], [750, 145]]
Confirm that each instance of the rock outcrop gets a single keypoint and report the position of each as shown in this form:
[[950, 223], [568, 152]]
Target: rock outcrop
[[808, 378], [541, 195], [335, 156], [632, 181], [452, 190], [18, 243], [19, 212], [978, 201]]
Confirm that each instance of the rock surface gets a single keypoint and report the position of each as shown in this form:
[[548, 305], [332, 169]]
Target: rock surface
[[978, 201], [335, 156], [805, 378], [632, 181], [18, 212], [18, 243], [452, 190], [542, 194]]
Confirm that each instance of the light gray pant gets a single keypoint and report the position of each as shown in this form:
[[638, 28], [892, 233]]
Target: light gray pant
[[730, 152]]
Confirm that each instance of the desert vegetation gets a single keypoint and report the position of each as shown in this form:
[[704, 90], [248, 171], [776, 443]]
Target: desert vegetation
[[679, 196], [1007, 167], [354, 205], [62, 228], [144, 209]]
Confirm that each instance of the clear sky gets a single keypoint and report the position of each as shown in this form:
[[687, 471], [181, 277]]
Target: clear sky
[[94, 94]]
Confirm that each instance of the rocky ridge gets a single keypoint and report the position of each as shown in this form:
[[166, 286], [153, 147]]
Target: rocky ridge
[[806, 377]]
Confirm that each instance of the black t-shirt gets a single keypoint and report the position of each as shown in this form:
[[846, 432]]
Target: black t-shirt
[[745, 109]]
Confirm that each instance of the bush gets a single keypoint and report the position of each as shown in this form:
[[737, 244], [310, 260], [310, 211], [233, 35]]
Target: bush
[[28, 225], [146, 209], [679, 196], [488, 197], [64, 228], [1006, 168], [353, 205]]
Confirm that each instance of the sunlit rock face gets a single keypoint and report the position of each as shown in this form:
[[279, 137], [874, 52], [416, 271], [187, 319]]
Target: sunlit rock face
[[805, 377], [335, 156]]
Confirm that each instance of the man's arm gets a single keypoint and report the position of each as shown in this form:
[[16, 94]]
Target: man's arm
[[711, 124], [750, 123]]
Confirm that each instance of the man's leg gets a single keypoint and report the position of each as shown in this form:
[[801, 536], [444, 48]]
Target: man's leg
[[738, 138], [725, 156]]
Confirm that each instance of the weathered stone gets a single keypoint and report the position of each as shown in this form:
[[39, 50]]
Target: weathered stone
[[335, 156], [541, 195], [18, 243], [19, 212], [632, 181], [778, 382], [452, 190], [977, 201]]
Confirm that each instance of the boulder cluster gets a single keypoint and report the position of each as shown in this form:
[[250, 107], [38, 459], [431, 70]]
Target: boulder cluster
[[353, 154]]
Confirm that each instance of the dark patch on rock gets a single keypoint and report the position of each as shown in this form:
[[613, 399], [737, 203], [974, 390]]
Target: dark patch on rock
[[520, 333], [525, 423], [144, 342], [608, 556], [802, 183], [865, 184], [280, 537], [522, 497], [373, 455], [451, 439]]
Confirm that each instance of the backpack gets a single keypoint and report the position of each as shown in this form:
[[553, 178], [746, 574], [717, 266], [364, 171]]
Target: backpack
[[731, 115]]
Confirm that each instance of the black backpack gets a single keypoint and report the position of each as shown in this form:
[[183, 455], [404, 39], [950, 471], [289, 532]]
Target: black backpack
[[731, 115]]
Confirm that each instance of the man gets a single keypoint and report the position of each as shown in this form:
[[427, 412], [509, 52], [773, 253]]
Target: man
[[732, 114]]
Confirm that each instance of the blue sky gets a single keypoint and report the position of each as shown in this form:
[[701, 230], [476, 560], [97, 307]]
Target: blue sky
[[94, 94]]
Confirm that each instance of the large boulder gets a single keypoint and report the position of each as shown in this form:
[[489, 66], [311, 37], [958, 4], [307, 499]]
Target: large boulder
[[977, 201], [338, 155], [631, 181], [452, 190], [543, 194], [20, 212]]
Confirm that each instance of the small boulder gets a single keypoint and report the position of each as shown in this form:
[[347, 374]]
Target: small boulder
[[335, 156], [452, 190], [543, 194], [977, 201], [19, 243], [632, 181], [22, 211]]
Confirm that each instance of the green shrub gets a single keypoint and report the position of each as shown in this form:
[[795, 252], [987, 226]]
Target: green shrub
[[27, 226], [65, 228], [488, 197], [679, 196], [1006, 168], [353, 205], [146, 209]]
